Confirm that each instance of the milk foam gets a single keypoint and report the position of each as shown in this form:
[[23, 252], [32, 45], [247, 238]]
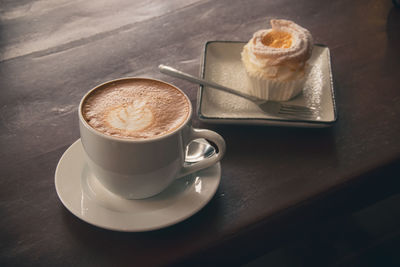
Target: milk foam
[[136, 108], [133, 117]]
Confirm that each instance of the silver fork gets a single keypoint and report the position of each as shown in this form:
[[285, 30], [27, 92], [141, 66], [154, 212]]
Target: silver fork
[[270, 107], [286, 110]]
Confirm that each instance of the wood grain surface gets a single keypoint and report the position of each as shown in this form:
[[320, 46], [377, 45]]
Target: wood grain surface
[[53, 52]]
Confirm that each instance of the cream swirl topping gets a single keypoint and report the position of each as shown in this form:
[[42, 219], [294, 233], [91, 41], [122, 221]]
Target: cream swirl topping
[[286, 42], [279, 52]]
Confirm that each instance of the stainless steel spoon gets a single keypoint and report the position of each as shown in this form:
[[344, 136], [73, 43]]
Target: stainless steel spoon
[[197, 150]]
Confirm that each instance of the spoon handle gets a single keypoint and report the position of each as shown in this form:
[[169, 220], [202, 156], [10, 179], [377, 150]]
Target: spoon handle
[[179, 74]]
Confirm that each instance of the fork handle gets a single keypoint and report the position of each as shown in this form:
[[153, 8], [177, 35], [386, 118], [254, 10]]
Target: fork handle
[[182, 75]]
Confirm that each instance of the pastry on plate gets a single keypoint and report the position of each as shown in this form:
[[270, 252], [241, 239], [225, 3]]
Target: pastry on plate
[[276, 60]]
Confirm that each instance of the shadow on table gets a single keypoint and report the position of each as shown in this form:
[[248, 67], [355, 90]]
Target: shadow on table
[[393, 40], [145, 248], [278, 142]]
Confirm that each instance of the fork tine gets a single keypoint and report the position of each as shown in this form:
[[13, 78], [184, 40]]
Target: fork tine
[[297, 111], [287, 110], [294, 107], [295, 115]]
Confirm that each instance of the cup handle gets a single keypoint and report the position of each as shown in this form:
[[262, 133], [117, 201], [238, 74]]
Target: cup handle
[[207, 162]]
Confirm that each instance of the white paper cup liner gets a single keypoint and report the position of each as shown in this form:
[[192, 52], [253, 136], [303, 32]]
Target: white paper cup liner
[[274, 90]]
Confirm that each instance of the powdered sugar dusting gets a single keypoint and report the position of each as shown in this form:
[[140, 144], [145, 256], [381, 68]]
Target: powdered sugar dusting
[[224, 66]]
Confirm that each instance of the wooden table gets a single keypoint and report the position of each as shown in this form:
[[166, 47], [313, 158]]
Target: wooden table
[[275, 180]]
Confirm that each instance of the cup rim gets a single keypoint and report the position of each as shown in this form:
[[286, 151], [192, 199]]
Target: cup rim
[[130, 140]]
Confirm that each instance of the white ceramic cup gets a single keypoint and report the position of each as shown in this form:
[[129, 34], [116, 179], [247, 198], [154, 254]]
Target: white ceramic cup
[[136, 169]]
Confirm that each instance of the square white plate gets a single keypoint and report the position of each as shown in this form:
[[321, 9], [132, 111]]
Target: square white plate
[[222, 64]]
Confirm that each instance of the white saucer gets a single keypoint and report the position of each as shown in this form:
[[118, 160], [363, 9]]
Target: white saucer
[[222, 64], [86, 198]]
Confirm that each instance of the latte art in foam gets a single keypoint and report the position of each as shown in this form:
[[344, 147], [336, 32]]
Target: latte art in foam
[[133, 117], [136, 108]]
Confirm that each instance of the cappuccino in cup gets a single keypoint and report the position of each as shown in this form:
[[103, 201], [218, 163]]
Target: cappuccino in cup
[[135, 133], [136, 109]]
